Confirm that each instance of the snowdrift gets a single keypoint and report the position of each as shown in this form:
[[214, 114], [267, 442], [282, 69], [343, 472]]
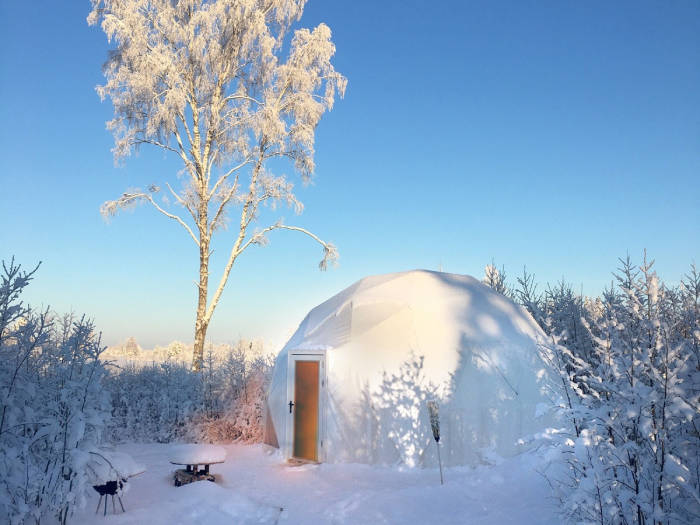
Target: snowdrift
[[389, 343]]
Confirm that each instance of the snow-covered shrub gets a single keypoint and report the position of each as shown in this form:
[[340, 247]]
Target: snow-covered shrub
[[152, 403], [52, 408], [234, 390], [633, 402], [166, 401], [242, 419]]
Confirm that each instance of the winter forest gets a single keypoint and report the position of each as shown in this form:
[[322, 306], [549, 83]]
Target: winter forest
[[628, 361], [220, 115]]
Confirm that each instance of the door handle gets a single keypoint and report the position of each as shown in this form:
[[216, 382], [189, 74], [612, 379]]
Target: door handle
[[291, 404]]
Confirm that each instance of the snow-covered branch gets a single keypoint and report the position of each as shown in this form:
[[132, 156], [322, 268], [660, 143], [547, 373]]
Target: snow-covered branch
[[129, 200], [330, 252]]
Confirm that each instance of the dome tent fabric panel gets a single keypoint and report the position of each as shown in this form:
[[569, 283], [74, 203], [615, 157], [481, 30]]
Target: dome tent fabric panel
[[392, 342]]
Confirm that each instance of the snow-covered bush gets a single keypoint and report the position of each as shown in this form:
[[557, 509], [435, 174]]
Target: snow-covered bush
[[152, 403], [166, 401], [240, 417], [631, 380], [52, 408]]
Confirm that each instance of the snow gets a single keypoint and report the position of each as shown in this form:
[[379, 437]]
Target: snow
[[255, 485], [110, 465], [197, 454]]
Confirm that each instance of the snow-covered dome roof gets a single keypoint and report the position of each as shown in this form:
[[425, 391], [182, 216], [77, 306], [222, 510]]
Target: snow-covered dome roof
[[461, 302], [476, 351]]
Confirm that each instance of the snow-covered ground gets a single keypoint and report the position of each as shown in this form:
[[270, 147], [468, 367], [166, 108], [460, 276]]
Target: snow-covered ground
[[255, 485]]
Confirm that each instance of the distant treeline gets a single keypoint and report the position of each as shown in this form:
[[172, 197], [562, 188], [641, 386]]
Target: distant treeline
[[175, 351]]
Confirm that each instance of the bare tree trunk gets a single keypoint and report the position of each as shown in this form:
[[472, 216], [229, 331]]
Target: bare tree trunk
[[202, 322]]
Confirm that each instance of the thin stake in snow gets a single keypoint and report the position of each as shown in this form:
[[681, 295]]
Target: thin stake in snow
[[435, 425]]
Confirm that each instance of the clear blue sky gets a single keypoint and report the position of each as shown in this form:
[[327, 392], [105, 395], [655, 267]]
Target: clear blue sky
[[557, 135]]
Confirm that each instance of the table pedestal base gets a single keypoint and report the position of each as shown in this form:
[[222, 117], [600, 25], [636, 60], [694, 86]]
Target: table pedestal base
[[184, 476]]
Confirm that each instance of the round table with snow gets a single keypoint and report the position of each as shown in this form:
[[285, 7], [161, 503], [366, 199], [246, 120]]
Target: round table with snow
[[193, 457]]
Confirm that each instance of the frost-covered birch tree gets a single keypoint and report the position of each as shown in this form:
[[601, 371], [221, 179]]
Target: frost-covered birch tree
[[218, 84]]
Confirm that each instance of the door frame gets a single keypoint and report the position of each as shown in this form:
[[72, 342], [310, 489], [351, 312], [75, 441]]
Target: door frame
[[292, 358]]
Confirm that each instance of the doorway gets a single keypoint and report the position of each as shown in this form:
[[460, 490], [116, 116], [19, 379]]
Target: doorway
[[305, 407]]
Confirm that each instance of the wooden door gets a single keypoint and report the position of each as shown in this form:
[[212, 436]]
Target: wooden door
[[306, 375]]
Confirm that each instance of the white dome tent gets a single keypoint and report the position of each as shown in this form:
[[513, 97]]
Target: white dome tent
[[352, 382]]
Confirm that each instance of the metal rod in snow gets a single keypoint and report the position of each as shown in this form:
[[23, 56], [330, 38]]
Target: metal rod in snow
[[434, 414]]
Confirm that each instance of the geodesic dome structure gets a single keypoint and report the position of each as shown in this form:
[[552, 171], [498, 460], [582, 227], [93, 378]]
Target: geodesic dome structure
[[353, 381]]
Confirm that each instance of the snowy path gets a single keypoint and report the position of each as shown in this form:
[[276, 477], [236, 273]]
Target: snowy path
[[253, 485]]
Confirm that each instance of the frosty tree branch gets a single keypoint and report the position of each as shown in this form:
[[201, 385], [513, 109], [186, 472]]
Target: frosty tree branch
[[127, 200], [330, 255]]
